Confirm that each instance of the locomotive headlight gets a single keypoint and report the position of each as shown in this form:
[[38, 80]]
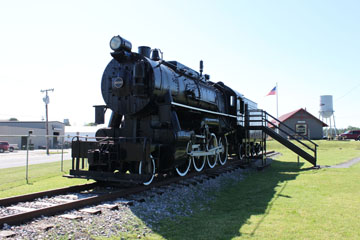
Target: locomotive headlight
[[118, 43], [115, 43]]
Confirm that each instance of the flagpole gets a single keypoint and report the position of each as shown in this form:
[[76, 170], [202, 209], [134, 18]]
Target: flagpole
[[277, 103]]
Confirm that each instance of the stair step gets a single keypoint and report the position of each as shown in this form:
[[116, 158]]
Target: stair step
[[287, 143]]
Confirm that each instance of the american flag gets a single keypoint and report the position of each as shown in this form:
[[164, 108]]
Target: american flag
[[272, 92]]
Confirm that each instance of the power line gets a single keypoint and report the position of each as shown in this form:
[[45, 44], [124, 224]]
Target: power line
[[352, 89]]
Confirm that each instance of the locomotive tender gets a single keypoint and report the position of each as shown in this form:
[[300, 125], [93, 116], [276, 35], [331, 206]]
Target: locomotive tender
[[165, 118]]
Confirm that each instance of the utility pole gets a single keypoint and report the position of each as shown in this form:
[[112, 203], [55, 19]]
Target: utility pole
[[46, 101]]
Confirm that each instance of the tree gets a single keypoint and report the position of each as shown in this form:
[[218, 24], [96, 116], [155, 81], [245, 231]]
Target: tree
[[13, 119], [67, 122], [90, 124], [349, 128], [352, 128]]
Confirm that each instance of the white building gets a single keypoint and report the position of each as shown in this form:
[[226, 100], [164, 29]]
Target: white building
[[82, 131], [15, 132]]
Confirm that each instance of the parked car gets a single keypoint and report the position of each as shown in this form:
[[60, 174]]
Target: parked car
[[4, 146], [13, 147], [351, 134]]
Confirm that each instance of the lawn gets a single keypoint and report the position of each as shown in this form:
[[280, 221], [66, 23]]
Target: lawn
[[41, 177], [329, 152], [285, 201]]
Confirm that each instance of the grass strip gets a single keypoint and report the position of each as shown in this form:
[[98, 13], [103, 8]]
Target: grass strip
[[42, 177], [286, 201]]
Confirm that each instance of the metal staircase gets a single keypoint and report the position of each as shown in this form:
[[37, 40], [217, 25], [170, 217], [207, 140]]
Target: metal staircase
[[304, 147]]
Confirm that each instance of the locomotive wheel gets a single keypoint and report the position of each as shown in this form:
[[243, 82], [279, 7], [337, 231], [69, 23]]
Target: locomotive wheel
[[247, 150], [224, 155], [211, 159], [199, 163], [148, 168], [184, 168], [240, 152], [258, 149], [253, 150]]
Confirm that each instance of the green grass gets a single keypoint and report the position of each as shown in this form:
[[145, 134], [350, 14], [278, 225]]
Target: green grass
[[56, 152], [41, 177], [328, 152], [286, 201], [335, 152]]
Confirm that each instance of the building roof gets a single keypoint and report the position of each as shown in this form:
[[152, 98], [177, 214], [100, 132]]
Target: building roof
[[286, 116], [7, 121], [31, 124]]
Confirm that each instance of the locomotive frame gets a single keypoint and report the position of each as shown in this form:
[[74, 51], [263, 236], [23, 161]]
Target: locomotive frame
[[166, 118]]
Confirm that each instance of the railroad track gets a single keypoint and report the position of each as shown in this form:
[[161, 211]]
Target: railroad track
[[18, 214]]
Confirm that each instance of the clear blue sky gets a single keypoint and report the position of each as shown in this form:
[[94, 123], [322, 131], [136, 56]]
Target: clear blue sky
[[310, 48]]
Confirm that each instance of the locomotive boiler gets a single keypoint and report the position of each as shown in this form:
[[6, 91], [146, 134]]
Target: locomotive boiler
[[165, 118]]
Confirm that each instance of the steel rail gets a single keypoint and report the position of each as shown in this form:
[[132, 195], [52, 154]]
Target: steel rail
[[28, 197], [76, 204], [49, 211]]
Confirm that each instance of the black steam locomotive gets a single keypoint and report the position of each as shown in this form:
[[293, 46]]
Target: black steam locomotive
[[165, 118]]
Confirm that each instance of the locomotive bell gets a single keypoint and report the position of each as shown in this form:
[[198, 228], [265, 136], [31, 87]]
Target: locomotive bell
[[155, 54]]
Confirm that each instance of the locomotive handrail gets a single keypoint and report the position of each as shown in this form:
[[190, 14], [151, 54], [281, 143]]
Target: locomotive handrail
[[104, 138], [202, 110]]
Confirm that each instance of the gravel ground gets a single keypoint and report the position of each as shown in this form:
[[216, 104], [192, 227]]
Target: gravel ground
[[175, 200]]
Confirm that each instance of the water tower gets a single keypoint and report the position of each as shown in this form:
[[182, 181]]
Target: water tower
[[326, 113]]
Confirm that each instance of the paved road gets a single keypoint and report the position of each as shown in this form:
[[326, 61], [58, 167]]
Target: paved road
[[18, 158]]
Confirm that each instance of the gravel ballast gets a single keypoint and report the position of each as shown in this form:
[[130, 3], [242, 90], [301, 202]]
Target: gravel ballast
[[131, 216]]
